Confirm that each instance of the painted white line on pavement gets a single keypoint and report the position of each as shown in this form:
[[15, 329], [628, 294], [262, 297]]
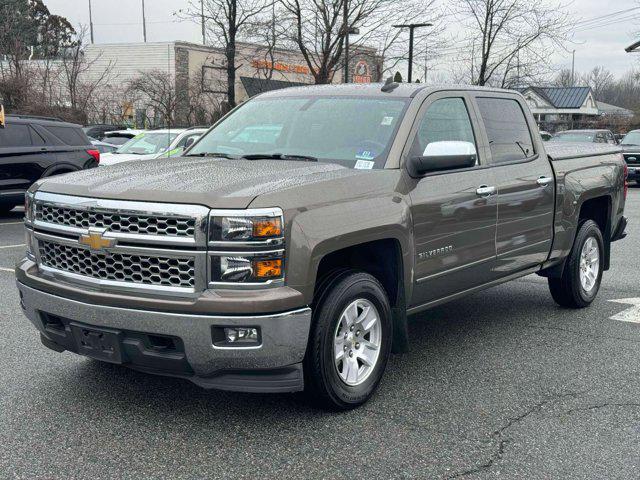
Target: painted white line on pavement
[[13, 246], [10, 270], [11, 223], [631, 314]]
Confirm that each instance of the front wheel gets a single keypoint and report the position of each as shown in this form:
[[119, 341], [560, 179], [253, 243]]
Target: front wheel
[[350, 342], [582, 274]]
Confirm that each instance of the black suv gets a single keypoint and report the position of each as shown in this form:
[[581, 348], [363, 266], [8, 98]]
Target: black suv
[[35, 147]]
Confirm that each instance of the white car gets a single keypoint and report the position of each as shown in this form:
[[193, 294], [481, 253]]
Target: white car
[[182, 142], [153, 144]]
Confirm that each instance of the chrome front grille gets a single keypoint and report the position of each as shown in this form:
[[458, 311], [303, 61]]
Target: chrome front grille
[[139, 246], [139, 269], [117, 222]]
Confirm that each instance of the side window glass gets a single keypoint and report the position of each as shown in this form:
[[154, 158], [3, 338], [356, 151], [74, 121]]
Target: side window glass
[[36, 139], [15, 136], [506, 126], [445, 130]]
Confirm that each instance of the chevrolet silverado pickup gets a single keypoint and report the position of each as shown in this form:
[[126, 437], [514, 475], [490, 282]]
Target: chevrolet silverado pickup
[[286, 248]]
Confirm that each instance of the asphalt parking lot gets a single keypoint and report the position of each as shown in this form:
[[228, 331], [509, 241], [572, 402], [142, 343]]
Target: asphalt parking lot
[[503, 384]]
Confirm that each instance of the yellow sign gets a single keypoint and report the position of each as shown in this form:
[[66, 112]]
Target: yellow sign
[[96, 241], [2, 120]]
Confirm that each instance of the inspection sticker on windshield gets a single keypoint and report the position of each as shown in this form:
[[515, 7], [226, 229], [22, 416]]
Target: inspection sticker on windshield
[[365, 155], [386, 121], [364, 165]]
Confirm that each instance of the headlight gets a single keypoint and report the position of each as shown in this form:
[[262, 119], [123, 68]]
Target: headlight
[[30, 242], [248, 268], [241, 248], [29, 207], [252, 226]]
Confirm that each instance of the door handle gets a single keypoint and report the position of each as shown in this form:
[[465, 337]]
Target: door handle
[[544, 181], [485, 190]]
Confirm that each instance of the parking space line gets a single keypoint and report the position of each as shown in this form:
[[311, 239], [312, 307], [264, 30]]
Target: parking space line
[[11, 223], [631, 314], [13, 246], [9, 270]]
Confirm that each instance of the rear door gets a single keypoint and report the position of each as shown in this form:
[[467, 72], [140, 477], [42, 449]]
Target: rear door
[[21, 157], [454, 212], [524, 180]]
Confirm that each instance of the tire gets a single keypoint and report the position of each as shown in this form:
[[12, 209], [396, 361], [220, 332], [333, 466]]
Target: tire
[[569, 290], [638, 182], [347, 383]]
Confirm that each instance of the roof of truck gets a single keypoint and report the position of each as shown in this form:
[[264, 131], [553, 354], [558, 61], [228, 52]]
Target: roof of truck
[[403, 90]]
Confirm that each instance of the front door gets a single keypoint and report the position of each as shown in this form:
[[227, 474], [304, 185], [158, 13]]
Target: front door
[[525, 183], [454, 211]]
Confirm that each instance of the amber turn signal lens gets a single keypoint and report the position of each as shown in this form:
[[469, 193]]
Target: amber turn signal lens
[[268, 227], [267, 268]]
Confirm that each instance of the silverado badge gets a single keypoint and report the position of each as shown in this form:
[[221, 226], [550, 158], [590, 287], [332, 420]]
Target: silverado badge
[[96, 240]]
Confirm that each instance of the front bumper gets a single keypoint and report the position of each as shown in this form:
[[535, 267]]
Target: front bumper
[[274, 366]]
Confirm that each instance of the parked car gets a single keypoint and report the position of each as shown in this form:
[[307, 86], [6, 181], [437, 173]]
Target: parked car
[[120, 137], [183, 142], [32, 148], [294, 262], [546, 136], [103, 147], [585, 136], [98, 131], [631, 151], [153, 144]]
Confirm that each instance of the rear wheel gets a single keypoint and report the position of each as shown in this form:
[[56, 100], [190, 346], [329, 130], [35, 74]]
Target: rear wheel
[[350, 342], [582, 274]]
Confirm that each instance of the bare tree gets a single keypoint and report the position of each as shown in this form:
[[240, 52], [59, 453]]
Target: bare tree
[[316, 28], [564, 78], [81, 76], [511, 39], [600, 80], [157, 90], [228, 22]]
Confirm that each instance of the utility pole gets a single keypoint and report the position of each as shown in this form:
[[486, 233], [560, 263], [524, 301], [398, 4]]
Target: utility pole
[[573, 69], [204, 32], [345, 25], [411, 27], [90, 21], [144, 24]]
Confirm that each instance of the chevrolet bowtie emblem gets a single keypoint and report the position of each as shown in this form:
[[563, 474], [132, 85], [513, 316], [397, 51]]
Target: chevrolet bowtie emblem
[[96, 240]]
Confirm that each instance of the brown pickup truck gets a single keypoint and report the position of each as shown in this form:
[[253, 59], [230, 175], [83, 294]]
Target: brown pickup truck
[[285, 250]]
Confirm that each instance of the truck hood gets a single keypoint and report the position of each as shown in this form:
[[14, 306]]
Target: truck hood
[[216, 183]]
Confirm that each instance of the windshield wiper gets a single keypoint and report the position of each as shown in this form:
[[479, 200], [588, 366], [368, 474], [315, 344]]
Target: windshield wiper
[[214, 154], [278, 156]]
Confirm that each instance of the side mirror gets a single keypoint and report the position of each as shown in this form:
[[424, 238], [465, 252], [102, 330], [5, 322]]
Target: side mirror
[[190, 141], [438, 156]]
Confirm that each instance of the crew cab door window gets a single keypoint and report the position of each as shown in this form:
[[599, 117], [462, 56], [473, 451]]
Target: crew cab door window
[[445, 127], [507, 129]]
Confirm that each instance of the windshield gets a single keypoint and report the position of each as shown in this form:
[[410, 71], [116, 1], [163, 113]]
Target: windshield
[[352, 131], [573, 137], [148, 143], [631, 138]]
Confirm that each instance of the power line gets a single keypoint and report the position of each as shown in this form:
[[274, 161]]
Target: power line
[[603, 17]]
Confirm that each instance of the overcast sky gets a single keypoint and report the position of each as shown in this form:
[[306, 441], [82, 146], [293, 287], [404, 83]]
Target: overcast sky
[[121, 21]]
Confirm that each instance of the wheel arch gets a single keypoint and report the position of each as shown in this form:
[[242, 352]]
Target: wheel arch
[[384, 258]]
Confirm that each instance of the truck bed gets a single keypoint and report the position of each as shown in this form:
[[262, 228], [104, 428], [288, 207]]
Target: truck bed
[[568, 150]]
